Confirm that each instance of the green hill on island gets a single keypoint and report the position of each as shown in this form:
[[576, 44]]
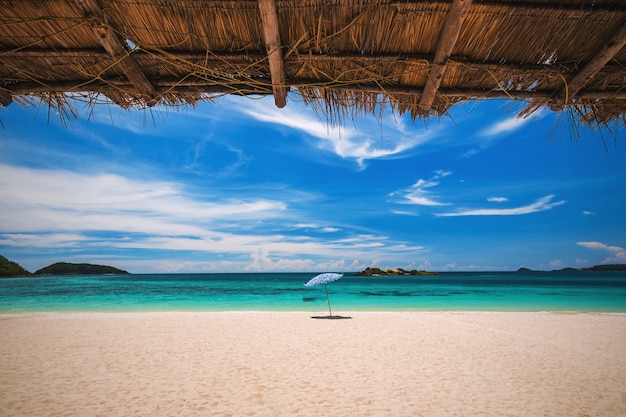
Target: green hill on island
[[66, 268], [10, 269], [595, 268]]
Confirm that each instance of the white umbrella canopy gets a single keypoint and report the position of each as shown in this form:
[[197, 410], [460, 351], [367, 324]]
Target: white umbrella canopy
[[323, 279]]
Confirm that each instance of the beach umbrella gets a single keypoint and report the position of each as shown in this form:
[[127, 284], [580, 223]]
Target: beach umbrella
[[323, 279]]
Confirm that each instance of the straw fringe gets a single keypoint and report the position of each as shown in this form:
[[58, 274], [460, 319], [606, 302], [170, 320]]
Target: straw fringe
[[343, 57]]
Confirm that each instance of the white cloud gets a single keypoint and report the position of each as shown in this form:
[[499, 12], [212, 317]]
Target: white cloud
[[56, 209], [497, 199], [618, 254], [65, 201], [581, 263], [497, 131], [454, 267], [505, 126], [588, 213], [313, 226], [262, 260], [404, 213], [305, 226], [510, 125], [292, 118], [418, 193], [43, 240], [354, 143], [542, 204], [556, 264]]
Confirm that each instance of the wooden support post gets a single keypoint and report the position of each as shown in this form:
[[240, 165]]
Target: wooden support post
[[5, 98], [601, 58], [447, 40], [274, 51], [112, 43]]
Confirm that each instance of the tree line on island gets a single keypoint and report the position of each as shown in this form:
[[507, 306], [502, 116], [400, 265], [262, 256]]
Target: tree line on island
[[10, 269], [377, 272], [596, 268]]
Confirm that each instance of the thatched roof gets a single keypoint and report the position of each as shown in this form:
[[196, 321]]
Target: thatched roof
[[340, 55]]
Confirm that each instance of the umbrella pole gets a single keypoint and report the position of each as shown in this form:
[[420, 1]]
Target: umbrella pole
[[328, 301]]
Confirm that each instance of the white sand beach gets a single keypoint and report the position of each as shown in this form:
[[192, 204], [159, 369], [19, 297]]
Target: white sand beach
[[288, 364]]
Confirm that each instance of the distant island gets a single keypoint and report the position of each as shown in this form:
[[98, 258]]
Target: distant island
[[597, 268], [66, 268], [10, 269], [377, 272]]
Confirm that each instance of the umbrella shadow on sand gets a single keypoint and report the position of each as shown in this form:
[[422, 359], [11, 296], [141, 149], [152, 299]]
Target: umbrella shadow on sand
[[323, 279]]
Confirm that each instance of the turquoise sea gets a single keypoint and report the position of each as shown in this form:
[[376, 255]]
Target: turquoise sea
[[480, 291]]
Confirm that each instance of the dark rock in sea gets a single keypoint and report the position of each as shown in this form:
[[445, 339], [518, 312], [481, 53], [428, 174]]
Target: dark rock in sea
[[525, 270], [377, 272], [66, 268]]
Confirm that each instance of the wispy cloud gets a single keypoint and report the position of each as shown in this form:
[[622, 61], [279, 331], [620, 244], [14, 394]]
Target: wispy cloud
[[618, 254], [419, 193], [61, 210], [366, 142], [542, 204], [44, 240], [497, 199], [510, 125], [505, 126], [63, 200], [490, 135], [557, 264]]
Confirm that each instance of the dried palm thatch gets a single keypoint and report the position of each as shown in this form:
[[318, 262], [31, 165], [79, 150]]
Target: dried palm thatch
[[345, 57]]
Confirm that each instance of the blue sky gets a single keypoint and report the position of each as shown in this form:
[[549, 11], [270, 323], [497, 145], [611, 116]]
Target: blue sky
[[239, 185]]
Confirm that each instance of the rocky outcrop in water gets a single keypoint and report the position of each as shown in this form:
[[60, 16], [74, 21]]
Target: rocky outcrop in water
[[377, 272]]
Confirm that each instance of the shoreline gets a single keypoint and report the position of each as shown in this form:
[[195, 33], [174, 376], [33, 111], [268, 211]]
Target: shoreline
[[286, 363], [4, 314], [310, 311]]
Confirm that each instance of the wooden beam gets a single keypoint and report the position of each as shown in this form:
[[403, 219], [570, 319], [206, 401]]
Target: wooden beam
[[274, 51], [600, 59], [112, 43], [447, 40], [217, 59], [521, 7], [200, 60]]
